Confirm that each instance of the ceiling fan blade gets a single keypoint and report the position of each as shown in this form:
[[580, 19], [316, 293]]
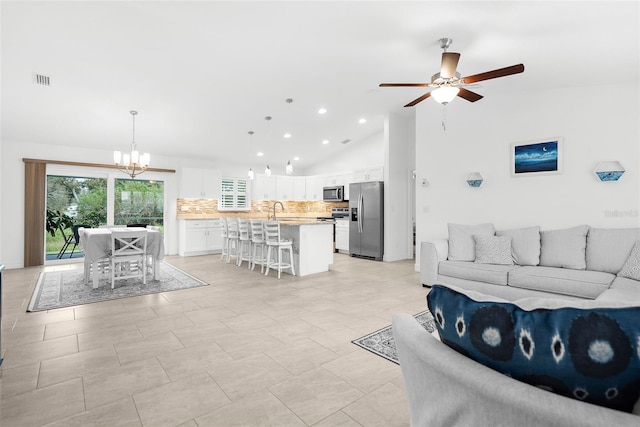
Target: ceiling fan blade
[[415, 101], [449, 64], [403, 85], [469, 96], [501, 72]]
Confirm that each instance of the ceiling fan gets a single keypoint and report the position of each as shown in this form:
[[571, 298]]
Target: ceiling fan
[[448, 84]]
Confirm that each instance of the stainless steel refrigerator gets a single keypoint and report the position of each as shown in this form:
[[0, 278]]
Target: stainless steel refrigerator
[[366, 215]]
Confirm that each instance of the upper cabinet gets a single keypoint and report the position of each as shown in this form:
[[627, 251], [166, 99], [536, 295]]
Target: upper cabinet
[[263, 187], [199, 183], [299, 188], [284, 187], [371, 174], [314, 186]]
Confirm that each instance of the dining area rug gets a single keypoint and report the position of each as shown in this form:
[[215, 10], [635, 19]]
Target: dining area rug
[[381, 342], [65, 288]]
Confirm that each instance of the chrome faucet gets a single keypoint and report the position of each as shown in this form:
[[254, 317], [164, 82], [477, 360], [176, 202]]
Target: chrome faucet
[[269, 217]]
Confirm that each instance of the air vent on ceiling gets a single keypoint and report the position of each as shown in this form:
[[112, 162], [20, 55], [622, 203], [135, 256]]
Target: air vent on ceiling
[[346, 141], [41, 79]]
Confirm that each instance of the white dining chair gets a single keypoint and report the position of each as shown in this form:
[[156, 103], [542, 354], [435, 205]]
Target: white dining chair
[[274, 242], [128, 255]]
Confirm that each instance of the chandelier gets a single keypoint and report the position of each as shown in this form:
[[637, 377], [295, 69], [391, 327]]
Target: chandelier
[[133, 164]]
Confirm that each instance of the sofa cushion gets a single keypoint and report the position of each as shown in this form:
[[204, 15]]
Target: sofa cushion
[[622, 289], [461, 244], [493, 250], [631, 268], [589, 354], [525, 244], [579, 283], [488, 273], [609, 248], [564, 248]]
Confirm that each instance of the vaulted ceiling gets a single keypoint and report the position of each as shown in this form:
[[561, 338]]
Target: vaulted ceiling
[[202, 74]]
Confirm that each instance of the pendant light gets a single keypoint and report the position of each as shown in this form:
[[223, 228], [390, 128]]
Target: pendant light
[[267, 171], [289, 168], [250, 174], [132, 163]]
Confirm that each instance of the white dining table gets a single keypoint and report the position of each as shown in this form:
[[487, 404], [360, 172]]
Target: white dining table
[[96, 244]]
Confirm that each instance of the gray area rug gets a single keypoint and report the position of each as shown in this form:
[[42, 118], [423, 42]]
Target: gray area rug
[[381, 342], [57, 289]]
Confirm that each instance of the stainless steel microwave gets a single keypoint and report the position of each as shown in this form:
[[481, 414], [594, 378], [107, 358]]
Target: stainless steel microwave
[[333, 194]]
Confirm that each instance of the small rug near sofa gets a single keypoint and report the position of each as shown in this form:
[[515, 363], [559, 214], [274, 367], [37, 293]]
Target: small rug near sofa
[[381, 342], [64, 288]]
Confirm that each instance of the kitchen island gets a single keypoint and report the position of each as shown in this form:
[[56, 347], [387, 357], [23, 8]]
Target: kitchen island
[[312, 245]]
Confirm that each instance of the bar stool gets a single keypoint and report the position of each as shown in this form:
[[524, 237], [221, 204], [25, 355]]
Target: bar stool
[[244, 242], [225, 239], [257, 243], [273, 241], [233, 236]]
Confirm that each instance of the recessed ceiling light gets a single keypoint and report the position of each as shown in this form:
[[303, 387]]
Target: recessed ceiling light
[[296, 158], [322, 111], [325, 142], [362, 121], [260, 154], [287, 135]]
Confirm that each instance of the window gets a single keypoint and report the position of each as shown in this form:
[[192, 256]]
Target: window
[[233, 195]]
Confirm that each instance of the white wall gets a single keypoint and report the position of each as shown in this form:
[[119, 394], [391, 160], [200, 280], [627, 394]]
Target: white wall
[[368, 152], [399, 161], [597, 124]]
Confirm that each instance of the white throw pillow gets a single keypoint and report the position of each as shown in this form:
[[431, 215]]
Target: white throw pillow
[[525, 245], [493, 250], [564, 248], [631, 268], [462, 247]]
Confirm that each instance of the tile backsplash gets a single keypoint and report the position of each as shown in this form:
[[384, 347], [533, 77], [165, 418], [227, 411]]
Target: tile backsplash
[[208, 208]]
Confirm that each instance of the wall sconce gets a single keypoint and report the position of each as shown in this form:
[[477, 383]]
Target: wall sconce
[[609, 171], [475, 180]]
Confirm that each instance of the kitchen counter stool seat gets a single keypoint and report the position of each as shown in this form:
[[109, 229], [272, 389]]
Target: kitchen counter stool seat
[[275, 243]]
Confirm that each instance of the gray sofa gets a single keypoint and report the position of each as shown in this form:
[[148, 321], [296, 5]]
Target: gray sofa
[[446, 389], [575, 263]]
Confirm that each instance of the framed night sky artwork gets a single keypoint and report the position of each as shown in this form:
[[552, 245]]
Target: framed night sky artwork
[[542, 157]]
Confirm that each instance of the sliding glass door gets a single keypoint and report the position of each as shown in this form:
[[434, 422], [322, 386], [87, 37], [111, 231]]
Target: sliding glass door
[[72, 200], [138, 202], [92, 199]]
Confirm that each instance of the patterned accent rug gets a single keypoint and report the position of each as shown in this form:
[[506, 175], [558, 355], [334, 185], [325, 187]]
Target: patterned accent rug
[[381, 342], [65, 288]]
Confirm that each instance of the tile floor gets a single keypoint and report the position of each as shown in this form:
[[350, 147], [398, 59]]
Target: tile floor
[[246, 350]]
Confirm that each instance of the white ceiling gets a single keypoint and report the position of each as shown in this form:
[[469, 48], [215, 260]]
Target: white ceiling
[[202, 74]]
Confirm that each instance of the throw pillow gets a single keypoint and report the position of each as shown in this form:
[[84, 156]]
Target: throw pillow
[[525, 245], [631, 268], [564, 248], [493, 250], [462, 247], [588, 354]]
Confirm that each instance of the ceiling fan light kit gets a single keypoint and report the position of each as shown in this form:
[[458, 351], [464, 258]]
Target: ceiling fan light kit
[[447, 84]]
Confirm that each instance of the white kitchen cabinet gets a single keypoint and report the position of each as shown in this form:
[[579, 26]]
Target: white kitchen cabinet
[[199, 183], [348, 179], [263, 187], [333, 180], [371, 174], [342, 235], [284, 187], [299, 188], [315, 184], [199, 237]]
